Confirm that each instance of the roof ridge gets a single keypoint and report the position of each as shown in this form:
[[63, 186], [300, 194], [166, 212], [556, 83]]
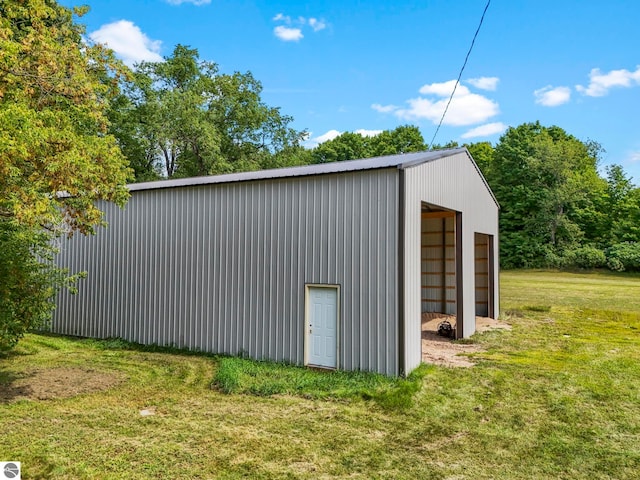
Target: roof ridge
[[402, 160]]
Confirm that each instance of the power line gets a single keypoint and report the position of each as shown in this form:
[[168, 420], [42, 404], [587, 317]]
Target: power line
[[460, 75]]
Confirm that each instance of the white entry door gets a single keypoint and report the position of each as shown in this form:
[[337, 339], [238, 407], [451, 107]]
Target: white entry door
[[322, 326]]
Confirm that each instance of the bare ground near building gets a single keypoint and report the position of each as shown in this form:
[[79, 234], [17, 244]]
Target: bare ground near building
[[56, 383], [444, 351]]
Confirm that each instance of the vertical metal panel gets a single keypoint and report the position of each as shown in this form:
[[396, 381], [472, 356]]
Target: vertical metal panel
[[222, 267], [453, 183]]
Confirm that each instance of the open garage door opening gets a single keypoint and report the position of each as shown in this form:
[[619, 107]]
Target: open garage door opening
[[439, 275], [484, 275]]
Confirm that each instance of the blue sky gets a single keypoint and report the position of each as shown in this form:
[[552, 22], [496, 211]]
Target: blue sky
[[373, 65]]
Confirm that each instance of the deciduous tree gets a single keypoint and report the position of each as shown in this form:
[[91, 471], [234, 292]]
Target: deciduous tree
[[183, 118], [54, 92], [623, 206], [544, 179], [402, 139], [58, 160], [350, 145], [482, 153]]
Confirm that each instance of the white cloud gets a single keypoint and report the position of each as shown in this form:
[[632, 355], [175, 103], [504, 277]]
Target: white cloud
[[311, 142], [287, 34], [127, 40], [316, 24], [330, 135], [466, 108], [485, 130], [195, 2], [552, 96], [634, 157], [368, 133], [282, 18], [291, 31], [442, 89], [600, 83], [485, 83], [384, 108]]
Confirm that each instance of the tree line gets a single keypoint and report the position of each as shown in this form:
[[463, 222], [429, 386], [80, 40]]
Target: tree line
[[182, 117], [76, 126], [556, 209]]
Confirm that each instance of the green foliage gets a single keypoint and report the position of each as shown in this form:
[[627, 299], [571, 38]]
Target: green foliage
[[624, 256], [402, 139], [291, 156], [482, 153], [556, 210], [54, 93], [622, 204], [586, 257], [30, 280], [615, 264], [127, 125], [544, 180], [238, 375], [346, 146], [57, 159], [182, 118], [351, 146], [449, 144]]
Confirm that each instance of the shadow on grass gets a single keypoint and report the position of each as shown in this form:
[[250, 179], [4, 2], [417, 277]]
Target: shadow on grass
[[116, 343], [9, 390]]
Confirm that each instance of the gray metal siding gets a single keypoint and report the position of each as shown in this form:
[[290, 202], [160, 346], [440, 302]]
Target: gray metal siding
[[222, 267], [453, 183]]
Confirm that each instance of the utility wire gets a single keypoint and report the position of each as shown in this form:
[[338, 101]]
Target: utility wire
[[460, 75]]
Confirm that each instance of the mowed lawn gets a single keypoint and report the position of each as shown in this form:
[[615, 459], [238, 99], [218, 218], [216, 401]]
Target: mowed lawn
[[558, 396]]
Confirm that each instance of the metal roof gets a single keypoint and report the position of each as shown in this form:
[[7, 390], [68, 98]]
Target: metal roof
[[401, 161]]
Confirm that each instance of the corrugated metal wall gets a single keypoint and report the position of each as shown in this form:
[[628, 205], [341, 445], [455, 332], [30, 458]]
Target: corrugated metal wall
[[452, 183], [222, 268]]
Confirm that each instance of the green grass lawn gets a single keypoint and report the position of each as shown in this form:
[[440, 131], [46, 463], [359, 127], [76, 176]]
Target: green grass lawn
[[558, 396]]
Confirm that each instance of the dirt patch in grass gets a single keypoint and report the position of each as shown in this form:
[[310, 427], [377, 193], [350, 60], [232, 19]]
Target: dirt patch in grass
[[484, 324], [53, 383], [443, 351]]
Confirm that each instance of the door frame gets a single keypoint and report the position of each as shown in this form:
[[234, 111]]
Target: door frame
[[307, 323], [492, 277]]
